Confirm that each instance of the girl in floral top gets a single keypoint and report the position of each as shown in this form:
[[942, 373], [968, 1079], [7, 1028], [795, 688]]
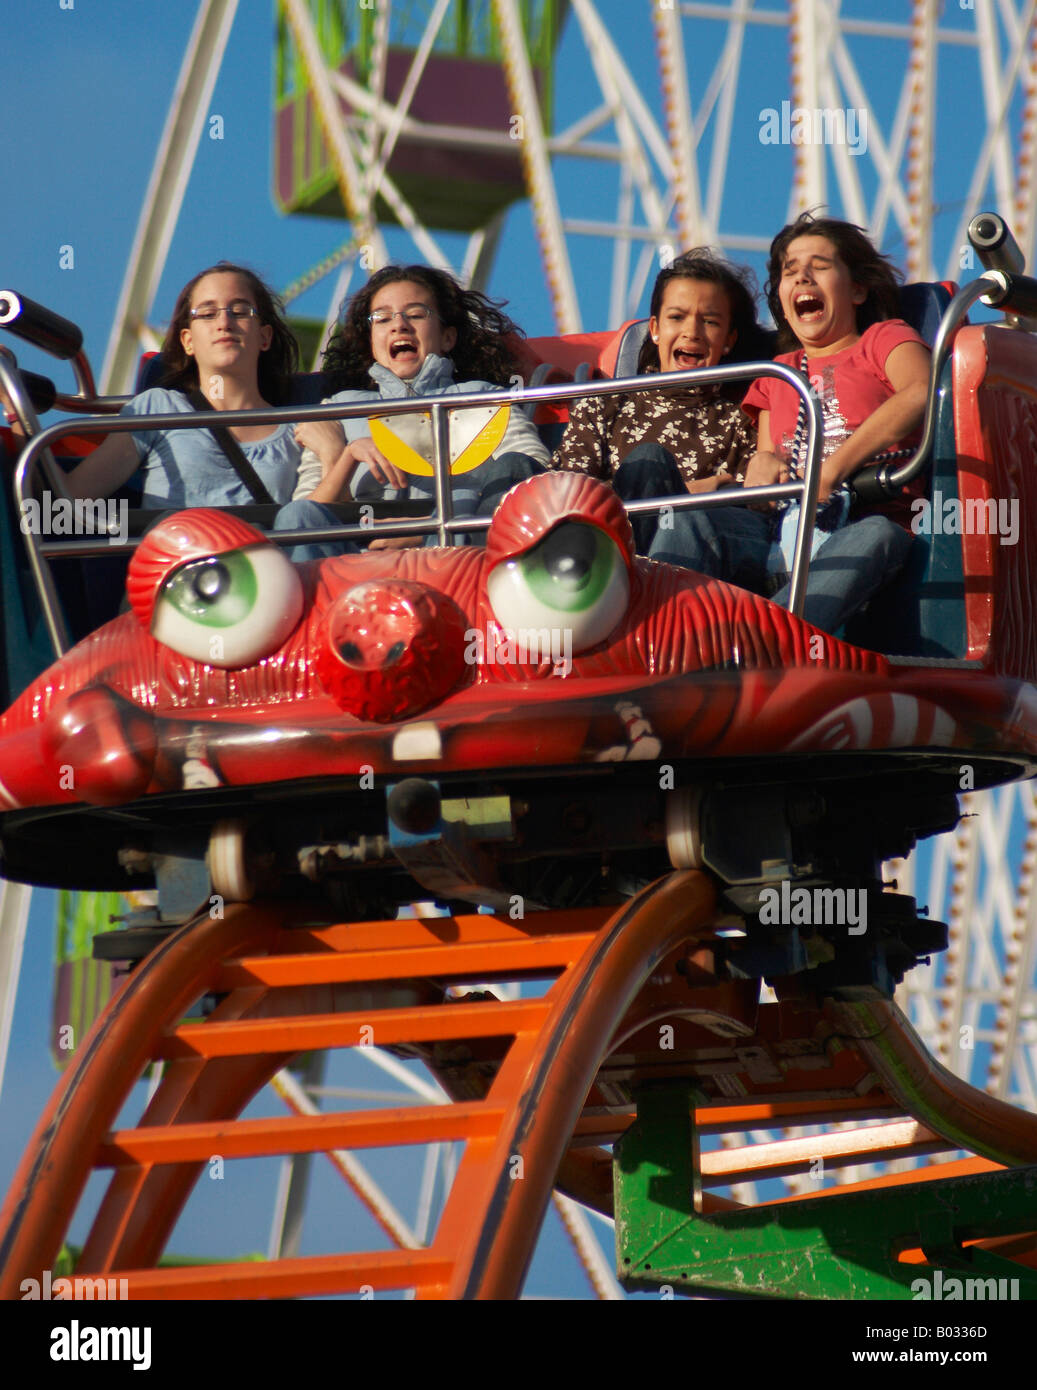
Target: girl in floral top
[[679, 439]]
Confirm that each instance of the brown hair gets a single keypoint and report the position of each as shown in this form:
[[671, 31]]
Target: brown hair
[[738, 283], [479, 354], [276, 364], [868, 268]]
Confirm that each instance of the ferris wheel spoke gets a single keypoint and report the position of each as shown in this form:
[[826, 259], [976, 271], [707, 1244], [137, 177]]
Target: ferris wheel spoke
[[410, 86], [728, 69], [587, 1247], [680, 124], [886, 155], [162, 202], [352, 1169], [535, 159]]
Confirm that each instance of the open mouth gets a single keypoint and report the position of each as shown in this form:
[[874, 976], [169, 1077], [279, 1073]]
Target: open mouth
[[808, 307], [404, 350], [688, 358]]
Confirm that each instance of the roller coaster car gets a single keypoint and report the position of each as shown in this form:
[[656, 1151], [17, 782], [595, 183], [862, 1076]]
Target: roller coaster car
[[549, 720]]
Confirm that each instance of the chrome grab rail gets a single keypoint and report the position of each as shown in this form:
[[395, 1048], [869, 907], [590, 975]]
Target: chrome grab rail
[[889, 478], [442, 520]]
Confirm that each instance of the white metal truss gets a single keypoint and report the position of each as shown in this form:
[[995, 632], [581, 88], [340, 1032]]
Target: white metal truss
[[866, 136], [533, 146], [439, 1163], [14, 917], [976, 1005], [668, 144], [161, 206]]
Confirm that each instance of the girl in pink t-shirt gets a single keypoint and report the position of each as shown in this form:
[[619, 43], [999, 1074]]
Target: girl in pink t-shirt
[[835, 302]]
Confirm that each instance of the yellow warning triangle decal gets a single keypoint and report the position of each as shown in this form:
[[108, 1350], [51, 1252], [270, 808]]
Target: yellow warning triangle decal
[[406, 440]]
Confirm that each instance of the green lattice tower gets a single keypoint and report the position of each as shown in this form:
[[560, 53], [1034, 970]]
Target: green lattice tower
[[451, 187], [82, 985]]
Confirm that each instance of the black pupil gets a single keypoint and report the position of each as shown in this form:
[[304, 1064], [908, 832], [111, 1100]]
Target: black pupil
[[210, 582], [569, 553]]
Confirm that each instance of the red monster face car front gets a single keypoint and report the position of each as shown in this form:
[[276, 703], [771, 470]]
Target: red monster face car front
[[236, 662]]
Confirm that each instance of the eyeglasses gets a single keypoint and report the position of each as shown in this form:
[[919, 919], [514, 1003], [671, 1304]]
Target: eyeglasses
[[240, 309], [414, 313]]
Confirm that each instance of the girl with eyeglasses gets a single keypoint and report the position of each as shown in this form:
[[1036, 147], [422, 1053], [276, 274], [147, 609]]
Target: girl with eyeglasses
[[227, 340], [412, 331]]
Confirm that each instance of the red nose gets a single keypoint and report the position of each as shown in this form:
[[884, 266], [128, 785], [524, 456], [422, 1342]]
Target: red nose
[[103, 747], [391, 648]]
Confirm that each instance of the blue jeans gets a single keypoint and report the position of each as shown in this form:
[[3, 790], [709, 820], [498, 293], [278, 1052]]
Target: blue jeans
[[738, 545], [736, 551], [302, 514], [492, 479], [475, 493], [851, 566]]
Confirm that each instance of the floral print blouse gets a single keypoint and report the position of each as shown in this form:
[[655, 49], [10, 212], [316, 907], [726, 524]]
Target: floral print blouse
[[705, 433]]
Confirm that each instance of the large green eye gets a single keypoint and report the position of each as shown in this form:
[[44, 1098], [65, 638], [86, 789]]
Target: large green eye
[[575, 578], [570, 569], [229, 610], [218, 592]]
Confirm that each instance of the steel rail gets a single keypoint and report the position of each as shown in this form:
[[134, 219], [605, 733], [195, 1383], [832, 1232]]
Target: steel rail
[[586, 1009], [14, 389], [950, 1107], [86, 1103], [891, 479]]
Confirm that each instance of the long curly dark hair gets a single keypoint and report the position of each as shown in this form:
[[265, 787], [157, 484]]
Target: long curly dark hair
[[479, 354], [276, 364], [739, 284], [867, 266]]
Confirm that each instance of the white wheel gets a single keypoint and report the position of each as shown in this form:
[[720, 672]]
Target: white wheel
[[684, 828], [227, 863]]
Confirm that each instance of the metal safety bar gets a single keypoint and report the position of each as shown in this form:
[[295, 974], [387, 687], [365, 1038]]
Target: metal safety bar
[[14, 389], [89, 405], [442, 520], [890, 478]]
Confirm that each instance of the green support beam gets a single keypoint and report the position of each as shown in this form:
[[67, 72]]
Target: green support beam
[[837, 1247]]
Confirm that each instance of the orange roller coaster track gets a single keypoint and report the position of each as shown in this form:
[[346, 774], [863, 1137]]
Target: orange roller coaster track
[[290, 987]]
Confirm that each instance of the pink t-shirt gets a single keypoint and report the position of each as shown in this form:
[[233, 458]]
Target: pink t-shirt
[[851, 384]]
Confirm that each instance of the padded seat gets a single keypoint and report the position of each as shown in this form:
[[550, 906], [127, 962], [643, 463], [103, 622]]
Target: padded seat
[[923, 612], [985, 458]]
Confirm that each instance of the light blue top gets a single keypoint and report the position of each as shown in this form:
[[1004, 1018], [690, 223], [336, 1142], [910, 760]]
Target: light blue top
[[436, 378], [187, 468]]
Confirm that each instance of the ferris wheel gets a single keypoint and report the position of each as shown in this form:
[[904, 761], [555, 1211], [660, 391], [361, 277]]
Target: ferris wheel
[[440, 126], [692, 123]]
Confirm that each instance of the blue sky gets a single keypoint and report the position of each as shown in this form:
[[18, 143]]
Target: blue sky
[[83, 100]]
